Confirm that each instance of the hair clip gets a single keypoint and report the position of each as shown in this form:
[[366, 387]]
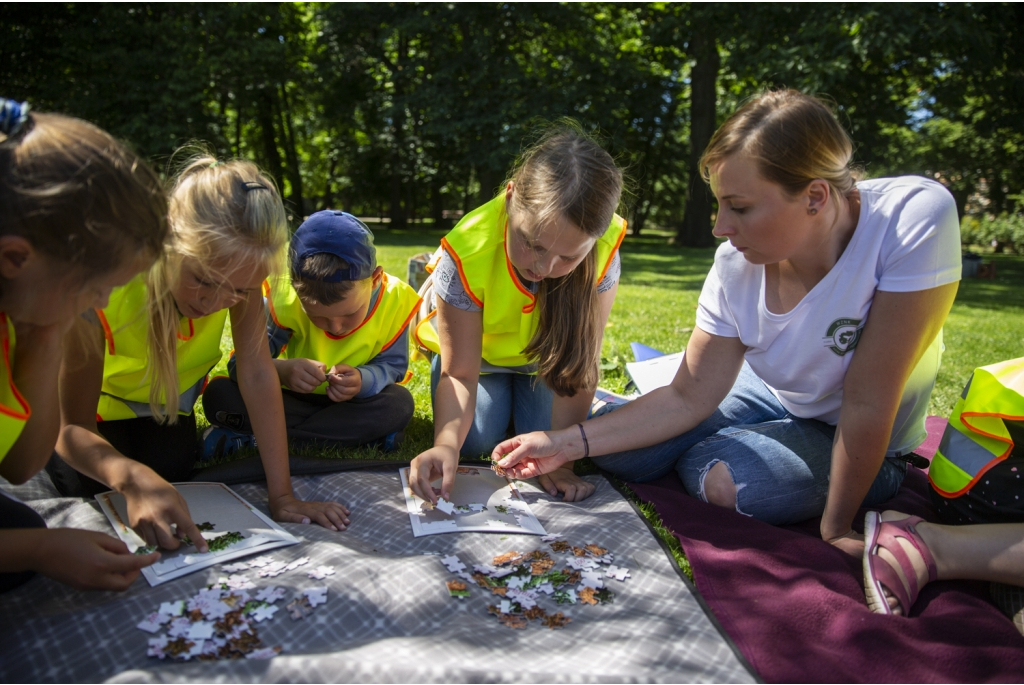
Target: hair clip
[[253, 185], [13, 116]]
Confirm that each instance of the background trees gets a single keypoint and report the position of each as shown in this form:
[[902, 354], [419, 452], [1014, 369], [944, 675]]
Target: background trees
[[415, 111]]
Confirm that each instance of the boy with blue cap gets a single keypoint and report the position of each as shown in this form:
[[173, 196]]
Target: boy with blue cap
[[338, 329]]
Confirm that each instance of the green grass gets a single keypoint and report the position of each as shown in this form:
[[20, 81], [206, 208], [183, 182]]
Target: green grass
[[656, 305]]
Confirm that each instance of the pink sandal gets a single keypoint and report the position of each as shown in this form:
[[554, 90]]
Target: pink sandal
[[879, 574]]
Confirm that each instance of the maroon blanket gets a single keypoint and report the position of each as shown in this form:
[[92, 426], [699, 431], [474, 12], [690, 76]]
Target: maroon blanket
[[794, 605]]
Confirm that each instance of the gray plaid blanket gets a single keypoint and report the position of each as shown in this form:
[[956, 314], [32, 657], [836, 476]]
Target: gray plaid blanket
[[389, 617]]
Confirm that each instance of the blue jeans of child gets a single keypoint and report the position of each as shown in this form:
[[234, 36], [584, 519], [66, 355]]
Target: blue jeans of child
[[779, 463], [501, 398]]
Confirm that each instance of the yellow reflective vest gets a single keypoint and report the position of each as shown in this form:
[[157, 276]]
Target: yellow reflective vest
[[14, 410], [477, 245], [976, 438], [384, 324], [126, 367]]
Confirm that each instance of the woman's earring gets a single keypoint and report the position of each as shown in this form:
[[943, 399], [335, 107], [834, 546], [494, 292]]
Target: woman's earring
[[812, 211]]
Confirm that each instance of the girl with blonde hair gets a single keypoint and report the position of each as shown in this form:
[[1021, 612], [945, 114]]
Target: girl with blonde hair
[[807, 377], [524, 286], [79, 215], [127, 414]]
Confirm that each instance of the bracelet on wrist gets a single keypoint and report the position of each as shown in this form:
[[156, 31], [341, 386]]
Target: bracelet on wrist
[[586, 445]]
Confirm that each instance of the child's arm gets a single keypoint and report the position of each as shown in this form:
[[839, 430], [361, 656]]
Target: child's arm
[[153, 503], [366, 380], [34, 370], [83, 559], [260, 386]]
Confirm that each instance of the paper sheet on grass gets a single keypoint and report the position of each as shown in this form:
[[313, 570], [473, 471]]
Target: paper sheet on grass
[[484, 502], [214, 503], [654, 373]]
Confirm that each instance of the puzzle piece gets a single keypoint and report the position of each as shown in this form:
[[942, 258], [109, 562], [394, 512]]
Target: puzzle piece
[[477, 507], [216, 610], [315, 596], [179, 627], [457, 588], [453, 564], [552, 537], [592, 579], [259, 562], [265, 653], [262, 613], [273, 569], [526, 599], [156, 647], [444, 505], [505, 607], [320, 572], [153, 623], [172, 608], [200, 630], [301, 561], [581, 563], [236, 568], [299, 608], [270, 594], [618, 573], [240, 582]]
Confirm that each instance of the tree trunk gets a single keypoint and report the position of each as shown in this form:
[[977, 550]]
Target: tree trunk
[[695, 231], [291, 153], [265, 116]]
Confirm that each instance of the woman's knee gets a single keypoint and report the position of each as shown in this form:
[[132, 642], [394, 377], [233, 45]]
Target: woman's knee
[[717, 485]]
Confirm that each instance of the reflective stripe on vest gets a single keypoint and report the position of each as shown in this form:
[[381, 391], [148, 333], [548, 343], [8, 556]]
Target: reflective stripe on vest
[[126, 367], [14, 410], [976, 438], [509, 318], [384, 323]]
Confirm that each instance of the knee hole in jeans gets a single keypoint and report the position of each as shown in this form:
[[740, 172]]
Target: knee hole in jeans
[[718, 485]]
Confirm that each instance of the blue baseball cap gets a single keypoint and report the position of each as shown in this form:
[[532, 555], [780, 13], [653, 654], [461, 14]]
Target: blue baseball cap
[[339, 234]]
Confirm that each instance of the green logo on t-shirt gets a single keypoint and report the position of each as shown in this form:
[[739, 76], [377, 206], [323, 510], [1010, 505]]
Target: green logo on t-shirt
[[843, 335]]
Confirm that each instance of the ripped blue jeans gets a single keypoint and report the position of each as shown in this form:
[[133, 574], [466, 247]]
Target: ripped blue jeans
[[779, 463]]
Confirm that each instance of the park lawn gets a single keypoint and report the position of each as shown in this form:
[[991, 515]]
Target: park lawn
[[656, 305]]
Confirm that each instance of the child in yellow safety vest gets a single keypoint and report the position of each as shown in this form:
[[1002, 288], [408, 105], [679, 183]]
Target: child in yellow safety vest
[[338, 329], [79, 215], [128, 411]]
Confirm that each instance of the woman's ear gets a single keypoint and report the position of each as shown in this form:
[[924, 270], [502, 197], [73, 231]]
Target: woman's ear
[[15, 254], [819, 192], [508, 192]]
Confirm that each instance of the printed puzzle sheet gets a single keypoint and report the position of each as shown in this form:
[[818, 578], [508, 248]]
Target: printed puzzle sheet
[[231, 526], [376, 604], [482, 502]]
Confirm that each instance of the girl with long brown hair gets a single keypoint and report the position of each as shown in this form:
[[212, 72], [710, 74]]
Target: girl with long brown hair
[[807, 377], [79, 215], [127, 411], [524, 286]]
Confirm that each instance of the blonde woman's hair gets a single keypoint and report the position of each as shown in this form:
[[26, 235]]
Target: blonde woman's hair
[[793, 139], [567, 174], [219, 211]]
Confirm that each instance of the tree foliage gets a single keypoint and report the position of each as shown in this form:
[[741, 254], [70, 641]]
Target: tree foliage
[[416, 111]]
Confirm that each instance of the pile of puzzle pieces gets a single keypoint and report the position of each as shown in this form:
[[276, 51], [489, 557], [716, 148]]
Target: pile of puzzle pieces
[[523, 580], [219, 622]]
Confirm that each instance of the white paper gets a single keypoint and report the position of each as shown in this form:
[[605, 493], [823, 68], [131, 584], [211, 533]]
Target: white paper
[[215, 503], [474, 485], [654, 373]]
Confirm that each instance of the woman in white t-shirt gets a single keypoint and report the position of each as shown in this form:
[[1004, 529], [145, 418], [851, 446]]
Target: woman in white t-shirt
[[818, 334]]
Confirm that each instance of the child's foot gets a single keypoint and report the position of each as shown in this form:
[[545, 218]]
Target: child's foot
[[392, 441], [897, 562], [219, 442]]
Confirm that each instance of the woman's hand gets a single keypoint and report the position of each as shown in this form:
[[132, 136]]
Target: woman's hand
[[535, 454], [289, 509], [88, 560], [344, 382], [572, 487], [301, 375], [154, 505], [437, 462]]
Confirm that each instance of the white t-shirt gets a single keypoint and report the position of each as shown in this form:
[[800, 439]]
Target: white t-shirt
[[907, 239]]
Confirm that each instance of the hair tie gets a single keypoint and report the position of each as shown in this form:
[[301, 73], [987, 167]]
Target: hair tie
[[253, 185], [586, 444], [13, 116]]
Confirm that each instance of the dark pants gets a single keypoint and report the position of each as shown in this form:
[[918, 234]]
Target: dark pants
[[14, 514], [168, 449], [316, 419]]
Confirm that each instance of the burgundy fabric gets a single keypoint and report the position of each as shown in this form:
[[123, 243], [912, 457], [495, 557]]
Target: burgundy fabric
[[795, 608]]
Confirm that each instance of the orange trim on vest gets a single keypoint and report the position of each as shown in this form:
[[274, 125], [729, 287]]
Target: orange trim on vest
[[997, 438], [405, 324], [191, 332], [26, 410], [415, 333], [408, 377], [462, 274], [380, 296], [107, 333], [974, 481], [611, 255], [515, 279], [270, 305]]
